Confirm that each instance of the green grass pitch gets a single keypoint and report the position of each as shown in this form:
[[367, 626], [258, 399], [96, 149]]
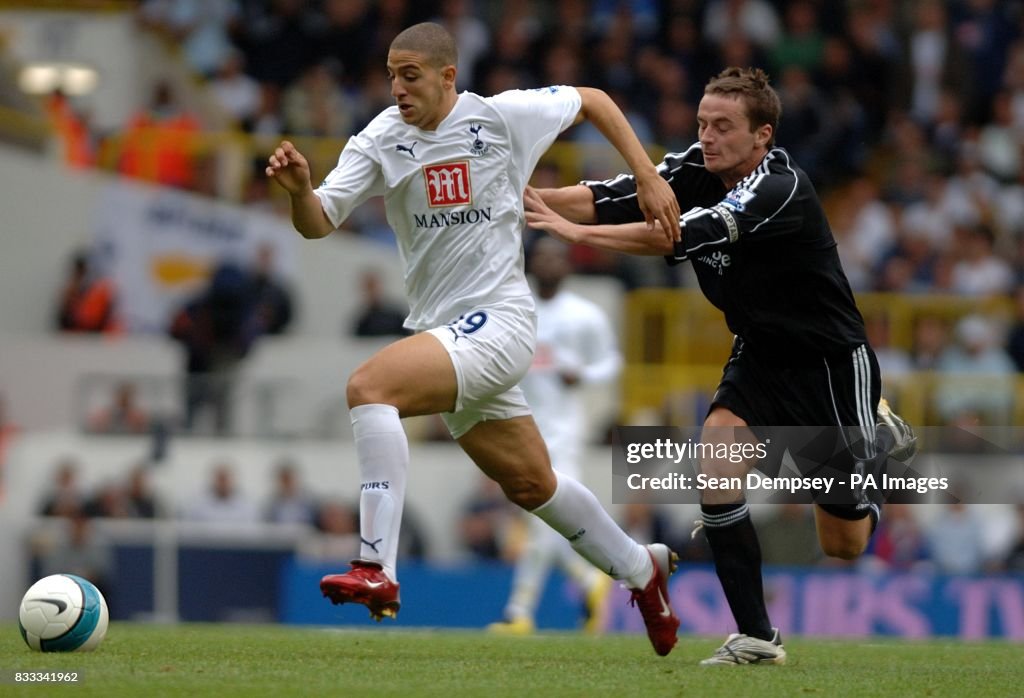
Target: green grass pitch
[[248, 660]]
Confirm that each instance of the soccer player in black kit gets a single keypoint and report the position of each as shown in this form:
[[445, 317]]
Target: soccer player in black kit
[[757, 237]]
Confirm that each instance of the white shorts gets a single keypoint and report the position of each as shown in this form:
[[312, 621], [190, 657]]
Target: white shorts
[[491, 349]]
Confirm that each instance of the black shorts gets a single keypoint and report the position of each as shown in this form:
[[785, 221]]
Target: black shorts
[[822, 410]]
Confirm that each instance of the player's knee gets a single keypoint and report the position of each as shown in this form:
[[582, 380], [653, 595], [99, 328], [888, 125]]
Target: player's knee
[[362, 389], [528, 490]]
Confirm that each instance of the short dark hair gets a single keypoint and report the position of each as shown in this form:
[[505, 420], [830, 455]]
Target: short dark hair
[[430, 39], [753, 87]]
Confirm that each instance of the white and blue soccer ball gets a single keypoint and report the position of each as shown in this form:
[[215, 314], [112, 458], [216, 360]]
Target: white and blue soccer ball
[[63, 613]]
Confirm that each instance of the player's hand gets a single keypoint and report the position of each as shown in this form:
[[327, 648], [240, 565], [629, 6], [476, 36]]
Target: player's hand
[[658, 203], [288, 166], [540, 216]]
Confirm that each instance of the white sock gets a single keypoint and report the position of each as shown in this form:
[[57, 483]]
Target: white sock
[[383, 454], [574, 511], [532, 569]]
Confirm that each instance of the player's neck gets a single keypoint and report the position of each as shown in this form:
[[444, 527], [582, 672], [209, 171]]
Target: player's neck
[[447, 105], [744, 170]]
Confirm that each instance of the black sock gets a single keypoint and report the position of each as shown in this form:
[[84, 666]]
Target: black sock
[[737, 555]]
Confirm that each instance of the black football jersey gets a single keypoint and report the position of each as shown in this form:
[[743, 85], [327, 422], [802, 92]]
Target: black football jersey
[[763, 253]]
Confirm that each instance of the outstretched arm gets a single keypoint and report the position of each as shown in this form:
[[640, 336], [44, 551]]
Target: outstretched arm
[[575, 202], [655, 196], [630, 238], [288, 166]]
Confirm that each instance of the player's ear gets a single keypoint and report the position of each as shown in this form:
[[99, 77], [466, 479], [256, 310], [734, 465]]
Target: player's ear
[[448, 75], [765, 132]]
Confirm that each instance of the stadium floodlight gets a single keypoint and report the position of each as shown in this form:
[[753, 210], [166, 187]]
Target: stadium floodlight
[[43, 77]]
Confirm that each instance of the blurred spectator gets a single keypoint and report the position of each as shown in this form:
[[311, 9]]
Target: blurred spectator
[[675, 124], [898, 543], [955, 540], [289, 502], [223, 502], [931, 219], [646, 523], [161, 140], [314, 105], [945, 132], [268, 120], [472, 37], [88, 299], [931, 337], [640, 16], [802, 44], [217, 330], [999, 141], [756, 20], [484, 520], [809, 130], [1015, 338], [123, 416], [970, 191], [865, 229], [975, 371], [237, 93], [200, 27], [280, 39], [78, 549], [511, 53], [932, 60], [337, 536], [72, 126], [140, 496], [109, 501], [271, 296], [65, 497], [979, 271], [346, 40], [984, 30], [377, 316], [789, 537]]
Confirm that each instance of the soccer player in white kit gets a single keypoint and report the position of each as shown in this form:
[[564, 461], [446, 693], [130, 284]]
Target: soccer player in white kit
[[576, 347], [452, 169]]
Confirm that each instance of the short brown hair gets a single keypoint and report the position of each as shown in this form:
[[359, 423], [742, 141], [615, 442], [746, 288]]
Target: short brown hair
[[753, 87], [431, 40]]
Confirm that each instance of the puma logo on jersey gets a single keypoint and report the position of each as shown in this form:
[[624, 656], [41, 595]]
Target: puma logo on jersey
[[407, 149]]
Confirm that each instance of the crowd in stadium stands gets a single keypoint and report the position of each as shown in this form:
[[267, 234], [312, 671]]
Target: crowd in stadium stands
[[960, 539], [908, 116]]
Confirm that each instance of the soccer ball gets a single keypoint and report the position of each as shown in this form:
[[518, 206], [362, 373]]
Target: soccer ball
[[63, 613]]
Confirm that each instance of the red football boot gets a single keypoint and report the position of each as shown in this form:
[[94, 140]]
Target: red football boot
[[653, 601], [366, 584]]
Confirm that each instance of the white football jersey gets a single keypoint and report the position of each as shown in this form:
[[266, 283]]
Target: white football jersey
[[454, 196], [573, 334]]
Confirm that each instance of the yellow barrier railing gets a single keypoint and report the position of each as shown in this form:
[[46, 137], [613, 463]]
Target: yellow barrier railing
[[660, 394], [676, 344]]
